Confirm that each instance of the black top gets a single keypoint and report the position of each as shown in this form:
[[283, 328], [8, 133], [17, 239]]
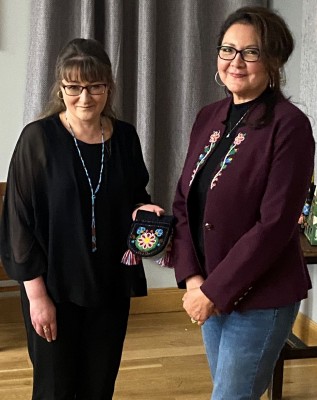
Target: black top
[[201, 183], [46, 226]]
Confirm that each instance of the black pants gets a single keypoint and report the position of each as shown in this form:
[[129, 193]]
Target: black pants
[[83, 362]]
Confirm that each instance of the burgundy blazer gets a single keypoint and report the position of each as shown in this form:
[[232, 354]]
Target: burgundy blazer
[[253, 257]]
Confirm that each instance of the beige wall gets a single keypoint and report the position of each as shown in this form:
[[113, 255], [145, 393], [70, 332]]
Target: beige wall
[[14, 27]]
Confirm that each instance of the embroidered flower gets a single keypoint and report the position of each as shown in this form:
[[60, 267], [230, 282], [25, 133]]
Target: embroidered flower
[[239, 138], [147, 241], [203, 156], [140, 230], [215, 180], [159, 232], [214, 136], [228, 158]]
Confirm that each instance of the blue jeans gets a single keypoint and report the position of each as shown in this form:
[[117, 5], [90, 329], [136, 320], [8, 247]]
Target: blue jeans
[[242, 349]]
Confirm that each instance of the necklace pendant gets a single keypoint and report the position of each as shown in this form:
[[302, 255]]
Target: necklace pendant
[[231, 130], [93, 191], [93, 240]]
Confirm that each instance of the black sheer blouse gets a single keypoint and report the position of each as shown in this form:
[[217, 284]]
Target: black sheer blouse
[[46, 225]]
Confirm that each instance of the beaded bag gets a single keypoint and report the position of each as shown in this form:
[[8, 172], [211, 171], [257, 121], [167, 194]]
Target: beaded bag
[[149, 237]]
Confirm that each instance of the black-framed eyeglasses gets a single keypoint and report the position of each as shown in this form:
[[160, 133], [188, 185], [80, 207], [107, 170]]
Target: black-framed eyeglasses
[[76, 90], [228, 53]]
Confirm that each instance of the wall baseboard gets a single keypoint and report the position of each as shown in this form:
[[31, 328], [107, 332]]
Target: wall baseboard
[[158, 300], [10, 308]]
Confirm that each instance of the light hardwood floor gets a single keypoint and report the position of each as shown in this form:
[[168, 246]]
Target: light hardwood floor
[[163, 359]]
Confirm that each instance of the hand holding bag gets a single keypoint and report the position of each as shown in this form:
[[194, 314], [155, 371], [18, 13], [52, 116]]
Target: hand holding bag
[[149, 237]]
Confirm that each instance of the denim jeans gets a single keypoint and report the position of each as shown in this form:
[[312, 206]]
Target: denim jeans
[[242, 349]]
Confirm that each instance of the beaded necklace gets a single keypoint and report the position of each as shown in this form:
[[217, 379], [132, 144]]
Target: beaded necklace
[[93, 192]]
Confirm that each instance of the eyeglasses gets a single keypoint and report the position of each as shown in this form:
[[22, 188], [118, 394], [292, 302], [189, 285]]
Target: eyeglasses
[[229, 53], [76, 90]]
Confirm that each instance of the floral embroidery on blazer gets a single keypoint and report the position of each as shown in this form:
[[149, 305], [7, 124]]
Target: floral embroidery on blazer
[[224, 163], [228, 158], [203, 156]]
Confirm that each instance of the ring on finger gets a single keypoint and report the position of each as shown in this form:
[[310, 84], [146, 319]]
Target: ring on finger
[[194, 321]]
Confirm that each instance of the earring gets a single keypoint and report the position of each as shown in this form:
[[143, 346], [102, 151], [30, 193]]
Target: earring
[[217, 81], [60, 94], [282, 76]]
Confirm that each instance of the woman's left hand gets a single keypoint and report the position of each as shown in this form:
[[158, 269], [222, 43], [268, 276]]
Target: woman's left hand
[[149, 207], [198, 306]]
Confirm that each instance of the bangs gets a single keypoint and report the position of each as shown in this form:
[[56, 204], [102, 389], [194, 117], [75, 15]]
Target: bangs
[[85, 69]]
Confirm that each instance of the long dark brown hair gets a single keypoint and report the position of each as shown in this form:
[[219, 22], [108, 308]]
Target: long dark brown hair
[[276, 46]]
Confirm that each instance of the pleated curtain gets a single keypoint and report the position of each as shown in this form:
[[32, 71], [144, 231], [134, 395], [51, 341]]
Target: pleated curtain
[[163, 54]]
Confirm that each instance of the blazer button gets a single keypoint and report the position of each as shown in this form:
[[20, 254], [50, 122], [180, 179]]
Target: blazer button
[[209, 227]]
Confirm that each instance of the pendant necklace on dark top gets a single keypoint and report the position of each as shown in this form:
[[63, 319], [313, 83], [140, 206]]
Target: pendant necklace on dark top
[[237, 123], [93, 191]]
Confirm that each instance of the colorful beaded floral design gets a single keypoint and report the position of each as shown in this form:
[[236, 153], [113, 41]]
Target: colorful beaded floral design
[[147, 240], [203, 156], [227, 160]]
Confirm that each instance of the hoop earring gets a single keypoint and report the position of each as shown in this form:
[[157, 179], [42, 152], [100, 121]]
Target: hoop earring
[[60, 95], [216, 80]]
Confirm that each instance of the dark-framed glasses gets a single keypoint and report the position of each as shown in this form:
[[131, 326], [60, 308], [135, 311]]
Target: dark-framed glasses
[[76, 90], [228, 53]]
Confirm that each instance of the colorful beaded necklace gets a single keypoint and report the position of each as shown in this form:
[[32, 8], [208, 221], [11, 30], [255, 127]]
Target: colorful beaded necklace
[[93, 192]]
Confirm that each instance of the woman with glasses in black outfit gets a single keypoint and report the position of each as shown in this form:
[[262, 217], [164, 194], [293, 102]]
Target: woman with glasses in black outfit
[[236, 245], [76, 177]]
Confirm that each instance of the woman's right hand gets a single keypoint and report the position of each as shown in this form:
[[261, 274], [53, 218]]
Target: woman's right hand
[[42, 309], [43, 317], [195, 303], [149, 207]]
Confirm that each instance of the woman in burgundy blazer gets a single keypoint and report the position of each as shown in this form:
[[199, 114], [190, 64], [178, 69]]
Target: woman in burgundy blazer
[[246, 175]]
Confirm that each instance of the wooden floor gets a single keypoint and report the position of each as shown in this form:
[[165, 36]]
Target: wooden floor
[[163, 360]]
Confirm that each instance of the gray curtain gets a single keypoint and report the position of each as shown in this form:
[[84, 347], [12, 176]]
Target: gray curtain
[[164, 61]]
